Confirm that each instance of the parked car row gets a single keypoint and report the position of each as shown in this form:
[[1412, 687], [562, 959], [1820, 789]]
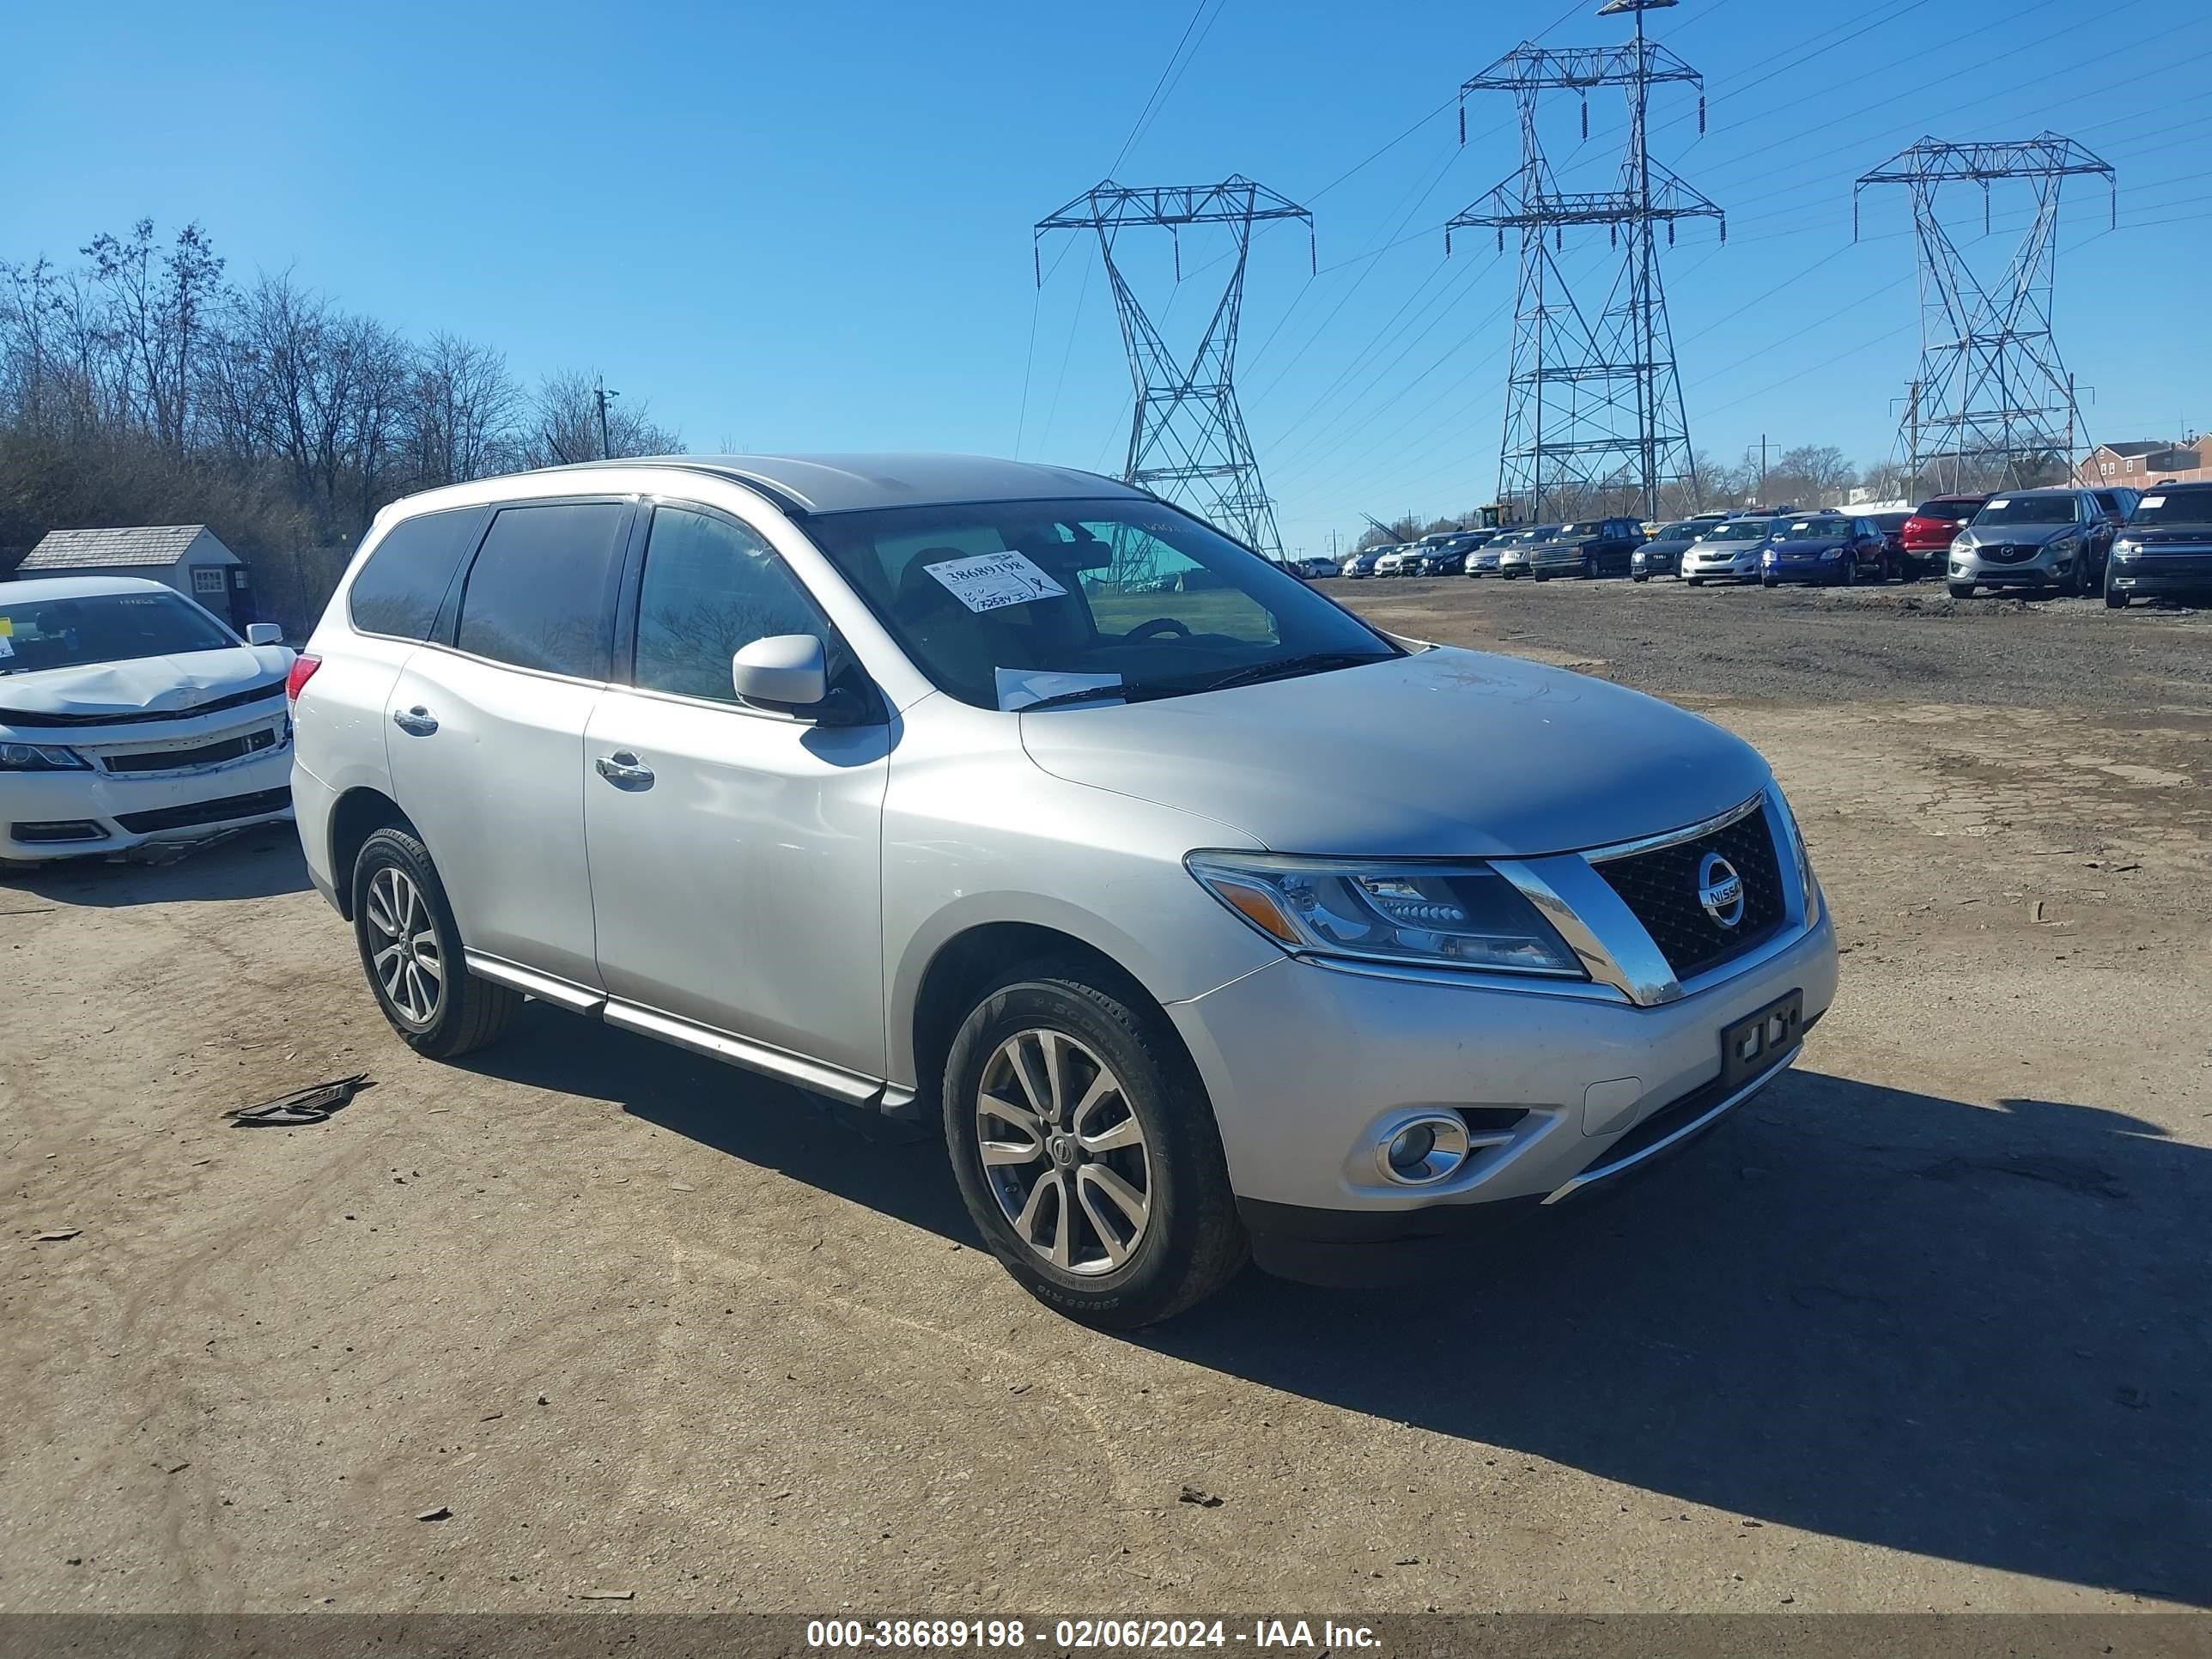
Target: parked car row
[[2062, 540]]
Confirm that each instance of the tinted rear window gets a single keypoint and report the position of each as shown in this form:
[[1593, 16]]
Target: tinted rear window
[[399, 589], [540, 594], [1956, 512]]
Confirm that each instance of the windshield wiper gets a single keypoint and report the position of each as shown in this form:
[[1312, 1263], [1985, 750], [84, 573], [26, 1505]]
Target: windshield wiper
[[1314, 662], [1081, 694]]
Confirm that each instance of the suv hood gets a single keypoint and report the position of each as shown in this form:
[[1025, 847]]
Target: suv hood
[[1445, 753], [142, 685], [2019, 535]]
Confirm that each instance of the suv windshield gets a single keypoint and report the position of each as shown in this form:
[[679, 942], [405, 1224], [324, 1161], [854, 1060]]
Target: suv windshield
[[1821, 529], [1006, 604], [2029, 509], [1575, 532], [2174, 506], [1735, 529], [95, 628]]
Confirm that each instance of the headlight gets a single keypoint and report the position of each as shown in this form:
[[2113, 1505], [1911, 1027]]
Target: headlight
[[2066, 544], [1460, 915], [40, 758], [1831, 552], [2126, 548]]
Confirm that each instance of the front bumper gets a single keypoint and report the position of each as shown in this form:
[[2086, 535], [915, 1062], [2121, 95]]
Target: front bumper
[[2043, 569], [1744, 568], [2161, 573], [1311, 1065], [1803, 570], [55, 815]]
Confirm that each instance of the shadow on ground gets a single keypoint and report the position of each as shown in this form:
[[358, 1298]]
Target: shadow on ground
[[261, 862], [1973, 1334]]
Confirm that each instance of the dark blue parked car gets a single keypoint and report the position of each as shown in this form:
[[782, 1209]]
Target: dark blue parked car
[[1830, 549]]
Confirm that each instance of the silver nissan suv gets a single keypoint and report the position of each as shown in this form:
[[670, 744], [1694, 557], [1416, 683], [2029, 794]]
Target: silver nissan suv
[[1208, 921]]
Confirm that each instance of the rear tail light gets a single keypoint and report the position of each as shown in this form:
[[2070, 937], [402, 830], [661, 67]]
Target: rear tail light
[[303, 669]]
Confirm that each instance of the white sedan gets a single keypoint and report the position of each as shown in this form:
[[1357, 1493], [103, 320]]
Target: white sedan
[[129, 714]]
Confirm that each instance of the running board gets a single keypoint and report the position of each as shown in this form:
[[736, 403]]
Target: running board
[[545, 986], [819, 1076]]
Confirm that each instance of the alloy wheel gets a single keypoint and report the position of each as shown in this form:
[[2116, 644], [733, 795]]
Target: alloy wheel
[[1064, 1153], [404, 953]]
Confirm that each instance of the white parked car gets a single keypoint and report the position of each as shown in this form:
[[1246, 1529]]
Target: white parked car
[[129, 714], [1206, 919]]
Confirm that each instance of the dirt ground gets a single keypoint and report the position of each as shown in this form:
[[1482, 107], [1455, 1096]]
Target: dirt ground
[[1924, 1327]]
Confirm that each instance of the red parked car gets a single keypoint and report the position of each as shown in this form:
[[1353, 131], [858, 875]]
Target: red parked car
[[1927, 535]]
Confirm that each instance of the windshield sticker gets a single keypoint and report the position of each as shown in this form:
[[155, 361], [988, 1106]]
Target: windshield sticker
[[8, 624], [7, 647], [1020, 687], [991, 581], [2148, 501], [2002, 501]]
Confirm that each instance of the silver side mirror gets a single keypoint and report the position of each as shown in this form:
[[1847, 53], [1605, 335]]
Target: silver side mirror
[[785, 671], [264, 633]]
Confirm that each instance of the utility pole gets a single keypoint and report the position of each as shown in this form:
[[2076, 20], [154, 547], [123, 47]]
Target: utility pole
[[601, 393], [1594, 398], [1992, 397], [1187, 438]]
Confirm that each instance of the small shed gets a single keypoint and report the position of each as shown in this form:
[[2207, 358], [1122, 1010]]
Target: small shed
[[189, 557]]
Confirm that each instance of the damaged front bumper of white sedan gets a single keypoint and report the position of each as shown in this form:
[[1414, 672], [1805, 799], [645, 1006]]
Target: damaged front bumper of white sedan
[[77, 784]]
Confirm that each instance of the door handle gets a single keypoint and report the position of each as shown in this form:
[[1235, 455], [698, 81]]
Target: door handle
[[416, 722], [624, 770]]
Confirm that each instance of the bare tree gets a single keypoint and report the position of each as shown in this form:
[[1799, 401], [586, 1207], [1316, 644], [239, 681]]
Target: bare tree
[[564, 424], [465, 418]]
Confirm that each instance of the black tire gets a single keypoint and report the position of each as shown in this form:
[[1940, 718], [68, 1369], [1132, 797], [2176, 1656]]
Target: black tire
[[1849, 578], [468, 1013], [1192, 1242], [1640, 576], [1694, 581], [1590, 566], [1961, 590], [1768, 582]]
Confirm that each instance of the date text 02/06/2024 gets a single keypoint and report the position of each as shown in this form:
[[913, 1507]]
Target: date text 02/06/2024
[[1071, 1635]]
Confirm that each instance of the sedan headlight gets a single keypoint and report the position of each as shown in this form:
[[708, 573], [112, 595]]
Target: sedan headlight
[[40, 758], [1459, 916]]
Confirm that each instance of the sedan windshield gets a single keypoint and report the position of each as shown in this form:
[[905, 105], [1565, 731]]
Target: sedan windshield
[[1735, 529], [1004, 605], [96, 628], [2174, 506], [1678, 533], [2029, 509], [1814, 530]]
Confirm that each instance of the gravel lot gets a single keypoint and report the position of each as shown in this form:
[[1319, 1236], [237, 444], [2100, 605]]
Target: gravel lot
[[1924, 1327]]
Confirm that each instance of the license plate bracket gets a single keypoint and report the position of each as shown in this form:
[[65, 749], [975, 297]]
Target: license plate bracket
[[1750, 1045]]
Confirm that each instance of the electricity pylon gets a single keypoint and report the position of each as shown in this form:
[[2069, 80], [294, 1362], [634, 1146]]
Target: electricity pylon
[[1993, 405], [1593, 401], [1187, 440]]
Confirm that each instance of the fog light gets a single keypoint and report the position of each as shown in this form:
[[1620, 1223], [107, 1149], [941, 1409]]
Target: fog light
[[1424, 1150]]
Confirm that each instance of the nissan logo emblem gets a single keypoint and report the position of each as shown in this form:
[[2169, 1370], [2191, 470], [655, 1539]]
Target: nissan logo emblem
[[1720, 889]]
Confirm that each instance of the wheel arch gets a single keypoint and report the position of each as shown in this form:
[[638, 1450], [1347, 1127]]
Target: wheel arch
[[952, 979], [360, 813]]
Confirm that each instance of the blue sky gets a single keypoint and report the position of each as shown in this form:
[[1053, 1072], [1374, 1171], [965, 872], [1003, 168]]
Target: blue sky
[[809, 226]]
